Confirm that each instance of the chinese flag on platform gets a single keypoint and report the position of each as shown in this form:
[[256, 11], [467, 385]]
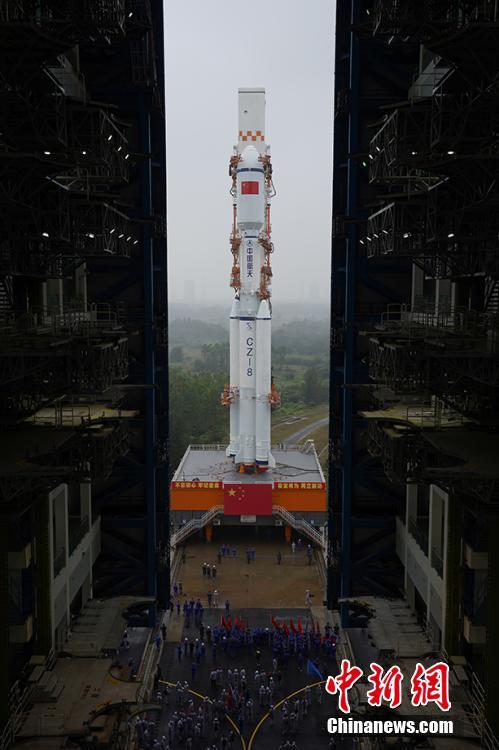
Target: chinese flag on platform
[[248, 499]]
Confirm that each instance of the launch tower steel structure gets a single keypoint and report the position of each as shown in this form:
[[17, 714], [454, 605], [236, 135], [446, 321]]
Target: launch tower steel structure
[[362, 504], [250, 394]]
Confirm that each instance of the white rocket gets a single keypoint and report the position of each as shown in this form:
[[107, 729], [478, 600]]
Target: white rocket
[[251, 394]]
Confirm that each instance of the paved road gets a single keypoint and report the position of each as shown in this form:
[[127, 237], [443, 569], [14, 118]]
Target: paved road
[[296, 436]]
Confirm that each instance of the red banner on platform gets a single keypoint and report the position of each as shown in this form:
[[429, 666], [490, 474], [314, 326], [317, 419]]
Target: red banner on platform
[[248, 499], [197, 485]]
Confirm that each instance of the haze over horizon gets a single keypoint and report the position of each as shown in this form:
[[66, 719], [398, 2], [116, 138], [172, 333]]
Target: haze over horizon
[[209, 55]]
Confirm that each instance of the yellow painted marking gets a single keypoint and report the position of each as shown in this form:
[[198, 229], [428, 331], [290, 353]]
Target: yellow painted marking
[[200, 695], [288, 697]]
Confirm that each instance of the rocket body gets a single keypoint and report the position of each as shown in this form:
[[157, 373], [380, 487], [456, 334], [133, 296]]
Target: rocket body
[[250, 317]]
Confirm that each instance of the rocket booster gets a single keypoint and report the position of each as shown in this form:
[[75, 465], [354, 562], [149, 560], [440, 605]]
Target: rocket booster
[[251, 394]]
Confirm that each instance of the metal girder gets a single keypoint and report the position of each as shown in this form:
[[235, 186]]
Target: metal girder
[[87, 453], [74, 19], [32, 120], [462, 119], [430, 18], [101, 229], [456, 264], [395, 17], [90, 451], [138, 17], [34, 31], [422, 351], [402, 370], [395, 150], [409, 455], [106, 17], [396, 229], [356, 289], [98, 148], [441, 232], [63, 352], [142, 61]]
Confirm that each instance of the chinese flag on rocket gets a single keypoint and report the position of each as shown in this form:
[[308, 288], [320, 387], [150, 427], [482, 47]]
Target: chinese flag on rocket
[[249, 187], [248, 499]]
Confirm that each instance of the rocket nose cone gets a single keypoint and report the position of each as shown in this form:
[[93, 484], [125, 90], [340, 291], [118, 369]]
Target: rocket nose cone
[[263, 309], [250, 156]]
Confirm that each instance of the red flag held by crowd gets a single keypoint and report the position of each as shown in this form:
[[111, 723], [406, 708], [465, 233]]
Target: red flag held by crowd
[[300, 628], [292, 625]]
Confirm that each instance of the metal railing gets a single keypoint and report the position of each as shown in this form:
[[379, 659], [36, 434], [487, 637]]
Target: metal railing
[[437, 562], [59, 562], [217, 510], [50, 320], [420, 536], [194, 525], [474, 329], [207, 447], [18, 701], [299, 524], [78, 527], [480, 723]]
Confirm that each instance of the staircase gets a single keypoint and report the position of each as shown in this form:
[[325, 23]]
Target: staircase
[[299, 524], [491, 304], [6, 293], [45, 686], [178, 537]]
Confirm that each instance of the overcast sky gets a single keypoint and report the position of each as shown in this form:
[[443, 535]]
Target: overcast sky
[[212, 49]]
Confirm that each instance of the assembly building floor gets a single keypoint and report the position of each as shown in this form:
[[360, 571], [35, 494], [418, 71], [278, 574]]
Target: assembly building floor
[[262, 583], [256, 591], [259, 732]]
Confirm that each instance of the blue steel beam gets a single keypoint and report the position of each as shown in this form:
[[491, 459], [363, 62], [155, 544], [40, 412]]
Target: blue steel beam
[[350, 290], [161, 309], [359, 290], [144, 107]]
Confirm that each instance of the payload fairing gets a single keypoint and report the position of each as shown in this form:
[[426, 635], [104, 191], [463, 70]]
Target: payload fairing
[[251, 393]]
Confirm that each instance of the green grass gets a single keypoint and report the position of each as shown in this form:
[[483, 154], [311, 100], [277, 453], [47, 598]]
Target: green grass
[[308, 414], [320, 436]]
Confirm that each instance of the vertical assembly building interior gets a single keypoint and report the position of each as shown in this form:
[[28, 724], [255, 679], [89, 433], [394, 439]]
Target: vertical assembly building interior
[[413, 470], [83, 317], [415, 323]]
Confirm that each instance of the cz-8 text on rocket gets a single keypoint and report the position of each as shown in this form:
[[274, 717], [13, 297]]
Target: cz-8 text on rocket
[[251, 394]]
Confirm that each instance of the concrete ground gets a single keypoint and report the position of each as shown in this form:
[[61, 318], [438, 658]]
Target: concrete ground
[[89, 682], [259, 732], [263, 583], [256, 591]]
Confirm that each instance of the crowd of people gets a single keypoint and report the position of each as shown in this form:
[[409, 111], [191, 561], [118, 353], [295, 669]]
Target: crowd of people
[[234, 693], [233, 636], [237, 696]]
